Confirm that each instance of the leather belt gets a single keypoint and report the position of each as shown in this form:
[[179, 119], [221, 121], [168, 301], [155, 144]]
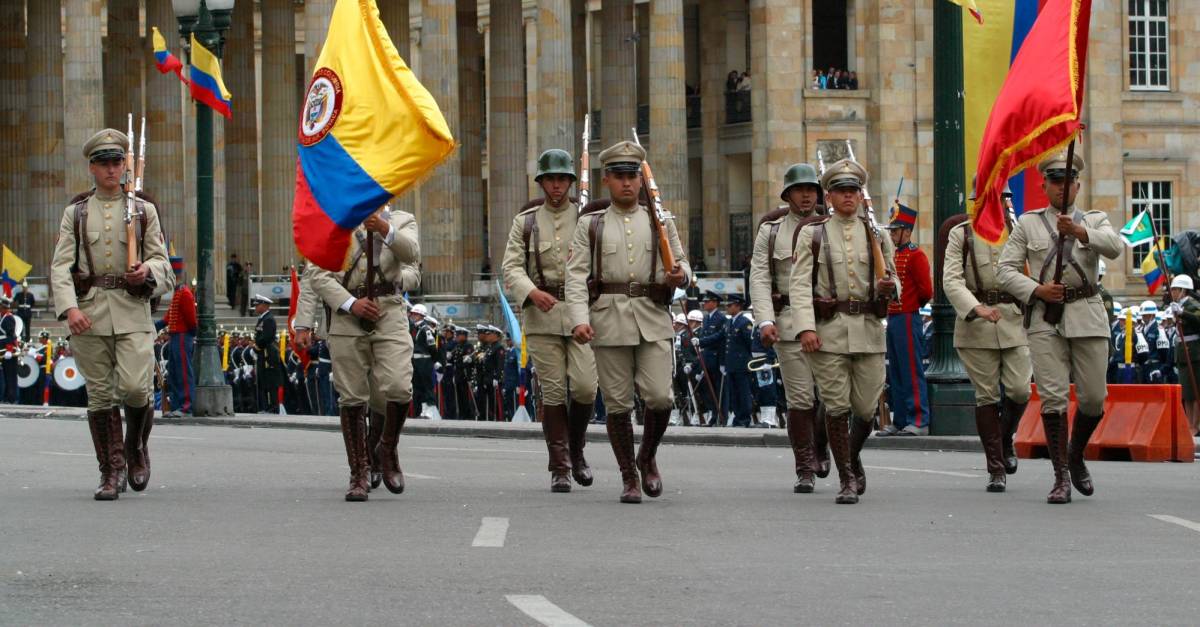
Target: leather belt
[[991, 298], [658, 292], [1072, 294], [381, 289], [557, 291], [109, 282], [855, 307]]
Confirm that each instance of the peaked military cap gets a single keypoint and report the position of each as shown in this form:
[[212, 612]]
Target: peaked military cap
[[1055, 166], [799, 174], [107, 144], [259, 298], [711, 295], [844, 173], [737, 299], [623, 156]]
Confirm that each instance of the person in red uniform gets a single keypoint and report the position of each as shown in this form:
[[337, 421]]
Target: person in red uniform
[[907, 393], [181, 325]]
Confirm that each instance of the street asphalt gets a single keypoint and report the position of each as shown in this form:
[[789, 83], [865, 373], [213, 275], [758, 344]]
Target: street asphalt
[[248, 526]]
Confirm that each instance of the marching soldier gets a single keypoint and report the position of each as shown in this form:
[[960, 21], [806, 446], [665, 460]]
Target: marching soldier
[[991, 343], [1075, 347], [770, 291], [107, 308], [539, 244], [268, 366], [618, 250], [838, 306]]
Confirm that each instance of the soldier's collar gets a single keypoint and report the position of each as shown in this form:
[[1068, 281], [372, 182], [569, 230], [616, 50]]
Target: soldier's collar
[[623, 211], [837, 215], [100, 196]]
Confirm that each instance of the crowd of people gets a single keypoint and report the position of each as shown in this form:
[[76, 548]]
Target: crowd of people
[[834, 78]]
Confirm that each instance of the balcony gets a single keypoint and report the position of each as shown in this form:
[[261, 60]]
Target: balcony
[[737, 107]]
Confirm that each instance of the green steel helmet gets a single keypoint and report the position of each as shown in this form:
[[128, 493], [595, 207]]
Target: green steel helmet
[[555, 161], [799, 174]]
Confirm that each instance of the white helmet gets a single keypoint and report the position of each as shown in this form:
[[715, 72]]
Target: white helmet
[[419, 309], [431, 320], [1103, 268], [680, 319], [1148, 307], [695, 316], [926, 310], [1183, 281]]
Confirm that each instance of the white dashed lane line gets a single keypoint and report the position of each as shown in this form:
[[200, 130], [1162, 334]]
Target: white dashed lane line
[[491, 534], [543, 611]]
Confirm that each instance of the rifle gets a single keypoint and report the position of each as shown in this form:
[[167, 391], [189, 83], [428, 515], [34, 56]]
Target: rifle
[[658, 215], [1053, 312], [141, 158], [128, 182], [585, 171], [821, 164], [881, 271]]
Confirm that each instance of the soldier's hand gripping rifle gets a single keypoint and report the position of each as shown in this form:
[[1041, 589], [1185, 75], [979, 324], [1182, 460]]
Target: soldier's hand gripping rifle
[[881, 270], [585, 170], [129, 186], [658, 214], [1053, 312]]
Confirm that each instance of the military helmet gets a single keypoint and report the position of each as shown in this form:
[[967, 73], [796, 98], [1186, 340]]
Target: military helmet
[[555, 161], [799, 174]]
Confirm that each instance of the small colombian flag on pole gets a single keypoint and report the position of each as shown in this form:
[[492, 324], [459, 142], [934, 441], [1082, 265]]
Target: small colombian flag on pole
[[207, 86], [163, 59]]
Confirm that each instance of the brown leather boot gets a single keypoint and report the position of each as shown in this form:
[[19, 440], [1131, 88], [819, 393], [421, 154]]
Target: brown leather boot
[[117, 450], [354, 435], [1080, 434], [1011, 420], [389, 439], [860, 430], [1055, 426], [620, 435], [820, 441], [554, 428], [655, 425], [100, 423], [577, 423], [799, 430], [137, 419], [374, 432], [987, 423], [838, 428]]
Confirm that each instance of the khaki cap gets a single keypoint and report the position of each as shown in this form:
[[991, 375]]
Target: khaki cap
[[844, 173], [624, 156], [1055, 166], [107, 144]]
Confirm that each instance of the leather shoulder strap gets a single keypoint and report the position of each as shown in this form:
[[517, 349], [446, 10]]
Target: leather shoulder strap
[[655, 227], [771, 236], [596, 240], [969, 251], [81, 215], [870, 259]]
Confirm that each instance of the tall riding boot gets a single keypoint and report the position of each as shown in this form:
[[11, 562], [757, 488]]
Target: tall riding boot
[[838, 428], [1055, 426], [135, 446], [800, 434], [860, 430], [354, 434], [389, 439], [820, 441], [654, 427], [577, 423], [1080, 434], [620, 435], [554, 427], [987, 423], [374, 432], [117, 449], [100, 423], [1012, 419]]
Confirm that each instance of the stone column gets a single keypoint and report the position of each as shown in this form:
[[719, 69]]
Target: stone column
[[123, 64], [279, 114], [579, 70], [619, 62], [241, 142], [316, 24], [668, 109], [45, 148], [164, 134], [83, 97], [440, 217], [13, 180], [894, 154], [556, 77], [395, 16], [470, 132], [712, 110], [507, 180], [777, 100], [532, 93]]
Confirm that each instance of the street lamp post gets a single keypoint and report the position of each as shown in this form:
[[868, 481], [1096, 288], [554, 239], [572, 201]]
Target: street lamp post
[[207, 20]]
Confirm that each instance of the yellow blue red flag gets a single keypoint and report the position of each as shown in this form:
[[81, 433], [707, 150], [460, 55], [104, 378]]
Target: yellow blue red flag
[[12, 270], [369, 131], [206, 85], [163, 59]]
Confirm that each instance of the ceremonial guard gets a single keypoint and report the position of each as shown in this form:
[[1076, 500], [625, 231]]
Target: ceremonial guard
[[770, 291], [618, 289], [990, 342], [370, 343], [105, 301], [703, 391], [488, 371], [424, 346], [181, 324], [268, 368], [739, 335], [711, 341], [906, 347], [9, 343], [25, 302], [462, 364], [1186, 310], [33, 395], [840, 287], [679, 381], [1070, 343], [539, 244]]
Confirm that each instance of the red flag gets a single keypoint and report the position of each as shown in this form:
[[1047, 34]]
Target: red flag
[[291, 330], [1037, 111]]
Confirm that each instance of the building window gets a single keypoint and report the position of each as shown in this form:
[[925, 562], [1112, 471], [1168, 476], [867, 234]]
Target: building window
[[1149, 45], [1154, 196], [830, 42]]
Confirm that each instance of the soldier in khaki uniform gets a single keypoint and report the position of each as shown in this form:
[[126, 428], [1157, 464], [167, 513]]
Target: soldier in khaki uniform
[[370, 344], [107, 309], [535, 272], [991, 343], [838, 307], [770, 271], [617, 250], [1076, 348]]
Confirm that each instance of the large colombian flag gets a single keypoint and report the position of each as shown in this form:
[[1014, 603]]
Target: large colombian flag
[[1048, 73], [369, 131]]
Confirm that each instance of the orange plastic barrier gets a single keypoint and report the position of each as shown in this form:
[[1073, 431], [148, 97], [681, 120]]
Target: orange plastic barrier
[[1142, 423]]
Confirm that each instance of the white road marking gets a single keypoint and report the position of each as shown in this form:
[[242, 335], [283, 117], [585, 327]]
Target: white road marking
[[543, 611], [469, 450], [1182, 522], [491, 533], [947, 473], [64, 454], [172, 437], [414, 475]]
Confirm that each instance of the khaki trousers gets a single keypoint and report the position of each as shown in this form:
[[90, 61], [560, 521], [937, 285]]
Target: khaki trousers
[[560, 360], [849, 383], [379, 363], [128, 356], [797, 375], [1058, 360], [991, 368], [649, 365]]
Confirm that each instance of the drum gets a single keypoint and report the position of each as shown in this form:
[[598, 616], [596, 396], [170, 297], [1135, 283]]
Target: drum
[[67, 375], [27, 370]]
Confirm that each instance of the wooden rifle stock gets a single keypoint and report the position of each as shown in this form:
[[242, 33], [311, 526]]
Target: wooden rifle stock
[[658, 214], [1053, 312], [129, 185], [585, 170]]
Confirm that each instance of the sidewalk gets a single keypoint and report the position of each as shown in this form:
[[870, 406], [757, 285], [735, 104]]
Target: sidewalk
[[702, 436]]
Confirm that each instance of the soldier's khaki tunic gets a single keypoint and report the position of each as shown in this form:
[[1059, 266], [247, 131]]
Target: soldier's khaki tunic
[[1078, 345], [993, 354], [632, 335], [793, 361], [849, 368], [556, 356], [380, 360], [121, 340]]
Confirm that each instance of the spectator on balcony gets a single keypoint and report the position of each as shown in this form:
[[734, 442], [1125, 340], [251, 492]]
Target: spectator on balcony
[[744, 82], [818, 79], [731, 82], [852, 82]]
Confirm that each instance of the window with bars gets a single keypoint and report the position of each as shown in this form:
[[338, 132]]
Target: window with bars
[[1149, 45], [1154, 196]]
